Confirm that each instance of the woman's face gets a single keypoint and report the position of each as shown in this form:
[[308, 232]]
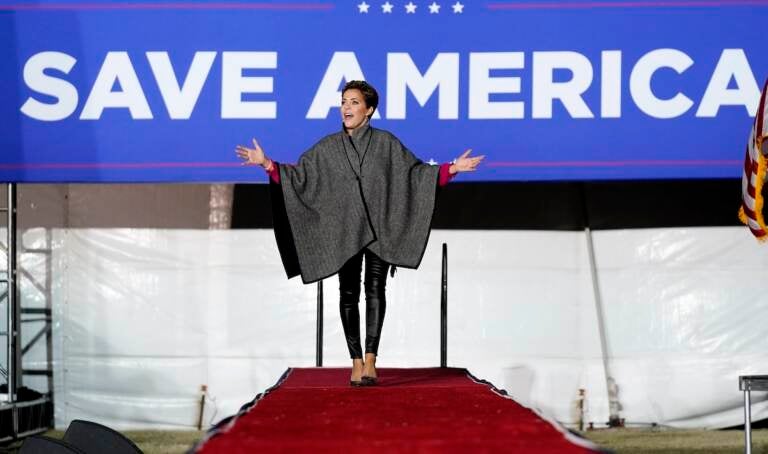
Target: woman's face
[[354, 112]]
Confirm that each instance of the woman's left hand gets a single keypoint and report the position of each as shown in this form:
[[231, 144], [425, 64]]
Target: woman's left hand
[[466, 164]]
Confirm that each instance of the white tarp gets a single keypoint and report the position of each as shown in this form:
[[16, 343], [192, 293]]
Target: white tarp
[[144, 317], [686, 313]]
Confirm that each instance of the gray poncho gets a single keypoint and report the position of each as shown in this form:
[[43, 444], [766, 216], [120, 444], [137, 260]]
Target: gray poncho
[[347, 193]]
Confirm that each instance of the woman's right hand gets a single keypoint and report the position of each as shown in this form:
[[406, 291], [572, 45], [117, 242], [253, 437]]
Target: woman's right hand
[[253, 156]]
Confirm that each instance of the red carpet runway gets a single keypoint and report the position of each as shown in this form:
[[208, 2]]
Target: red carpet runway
[[410, 410]]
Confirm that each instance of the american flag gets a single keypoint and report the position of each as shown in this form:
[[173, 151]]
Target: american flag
[[753, 178]]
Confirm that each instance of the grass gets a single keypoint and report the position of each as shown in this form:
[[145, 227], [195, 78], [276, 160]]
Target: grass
[[621, 441], [164, 442], [149, 441], [676, 441]]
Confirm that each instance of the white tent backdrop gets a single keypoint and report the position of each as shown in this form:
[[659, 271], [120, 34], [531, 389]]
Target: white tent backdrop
[[144, 317]]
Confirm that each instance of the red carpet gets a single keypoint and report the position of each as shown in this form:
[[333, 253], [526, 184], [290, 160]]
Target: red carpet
[[411, 410]]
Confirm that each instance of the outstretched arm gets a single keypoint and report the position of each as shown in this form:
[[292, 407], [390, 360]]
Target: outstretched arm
[[462, 164], [466, 164], [253, 156], [256, 157]]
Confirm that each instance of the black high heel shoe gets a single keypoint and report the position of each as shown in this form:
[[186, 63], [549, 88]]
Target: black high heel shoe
[[355, 383], [369, 381]]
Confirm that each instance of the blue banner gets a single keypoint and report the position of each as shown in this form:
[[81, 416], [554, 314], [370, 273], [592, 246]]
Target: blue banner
[[148, 91]]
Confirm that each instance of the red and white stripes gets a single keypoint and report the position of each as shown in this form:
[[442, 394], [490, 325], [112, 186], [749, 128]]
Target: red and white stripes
[[753, 178]]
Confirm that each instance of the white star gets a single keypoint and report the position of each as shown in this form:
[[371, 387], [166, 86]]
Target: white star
[[432, 162], [386, 8], [363, 7], [434, 8], [410, 8], [458, 8]]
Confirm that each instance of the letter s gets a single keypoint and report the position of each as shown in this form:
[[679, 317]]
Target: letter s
[[37, 80]]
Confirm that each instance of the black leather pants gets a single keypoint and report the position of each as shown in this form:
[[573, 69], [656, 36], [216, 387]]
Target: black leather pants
[[375, 301]]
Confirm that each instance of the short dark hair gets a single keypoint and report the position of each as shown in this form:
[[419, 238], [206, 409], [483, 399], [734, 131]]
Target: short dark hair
[[369, 93]]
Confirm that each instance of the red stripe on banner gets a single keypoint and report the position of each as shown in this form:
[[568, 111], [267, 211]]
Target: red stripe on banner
[[169, 6], [118, 165], [751, 191], [638, 163], [155, 165], [635, 4]]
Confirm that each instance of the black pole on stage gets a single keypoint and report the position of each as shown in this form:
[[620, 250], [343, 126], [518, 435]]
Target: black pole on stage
[[444, 311], [14, 311], [319, 346]]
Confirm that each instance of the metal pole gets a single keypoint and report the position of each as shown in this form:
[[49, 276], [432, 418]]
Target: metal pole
[[203, 390], [444, 311], [747, 420], [613, 398], [319, 340], [611, 387], [49, 312], [12, 321]]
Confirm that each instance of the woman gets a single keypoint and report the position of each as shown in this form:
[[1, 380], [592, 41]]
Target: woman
[[356, 194]]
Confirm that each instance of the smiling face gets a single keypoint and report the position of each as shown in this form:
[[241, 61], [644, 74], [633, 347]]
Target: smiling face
[[354, 111]]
